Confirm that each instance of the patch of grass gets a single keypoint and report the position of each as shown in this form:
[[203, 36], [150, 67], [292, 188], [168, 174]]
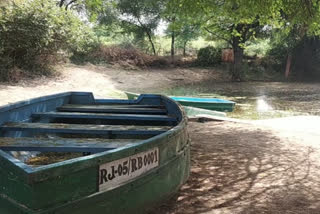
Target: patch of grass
[[116, 94]]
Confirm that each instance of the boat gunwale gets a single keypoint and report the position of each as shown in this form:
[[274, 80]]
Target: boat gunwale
[[23, 103], [193, 101], [38, 174]]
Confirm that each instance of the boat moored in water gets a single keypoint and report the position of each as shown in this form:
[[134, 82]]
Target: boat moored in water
[[214, 104], [72, 153]]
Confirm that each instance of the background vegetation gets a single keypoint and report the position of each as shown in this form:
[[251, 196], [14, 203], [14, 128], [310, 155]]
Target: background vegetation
[[268, 38]]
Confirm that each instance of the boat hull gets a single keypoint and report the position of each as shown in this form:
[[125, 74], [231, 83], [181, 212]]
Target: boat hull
[[72, 186], [223, 107], [134, 197]]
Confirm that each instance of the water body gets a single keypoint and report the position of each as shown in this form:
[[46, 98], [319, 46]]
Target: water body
[[259, 100]]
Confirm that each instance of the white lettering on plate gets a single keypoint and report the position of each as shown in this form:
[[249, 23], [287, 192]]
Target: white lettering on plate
[[118, 172]]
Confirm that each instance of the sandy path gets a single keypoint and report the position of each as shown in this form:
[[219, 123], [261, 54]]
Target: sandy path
[[102, 81], [304, 130], [242, 168], [72, 79]]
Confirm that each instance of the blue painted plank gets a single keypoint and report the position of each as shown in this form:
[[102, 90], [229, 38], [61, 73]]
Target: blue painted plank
[[63, 145], [85, 129], [129, 106], [103, 116], [114, 102], [107, 109], [55, 149]]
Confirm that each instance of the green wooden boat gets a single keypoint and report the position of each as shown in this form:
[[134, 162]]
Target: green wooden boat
[[204, 103], [118, 156]]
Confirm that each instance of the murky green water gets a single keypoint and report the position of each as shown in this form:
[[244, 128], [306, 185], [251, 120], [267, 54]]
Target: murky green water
[[258, 100]]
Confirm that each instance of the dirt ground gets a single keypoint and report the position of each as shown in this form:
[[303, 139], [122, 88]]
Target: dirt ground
[[245, 167], [102, 81]]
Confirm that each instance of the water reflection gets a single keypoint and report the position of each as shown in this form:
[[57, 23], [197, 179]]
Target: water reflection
[[262, 105]]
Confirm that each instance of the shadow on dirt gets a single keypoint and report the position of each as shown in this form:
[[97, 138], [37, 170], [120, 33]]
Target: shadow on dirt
[[238, 168]]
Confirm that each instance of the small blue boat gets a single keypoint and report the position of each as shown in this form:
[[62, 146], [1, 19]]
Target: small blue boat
[[204, 103]]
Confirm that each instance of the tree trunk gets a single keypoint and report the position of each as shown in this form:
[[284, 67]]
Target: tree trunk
[[288, 66], [151, 42], [172, 45], [238, 58], [184, 48]]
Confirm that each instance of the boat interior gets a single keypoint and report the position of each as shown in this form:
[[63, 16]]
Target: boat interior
[[77, 127]]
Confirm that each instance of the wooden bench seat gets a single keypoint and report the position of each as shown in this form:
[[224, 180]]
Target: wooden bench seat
[[63, 145], [111, 109], [128, 105], [104, 118], [85, 129], [73, 115]]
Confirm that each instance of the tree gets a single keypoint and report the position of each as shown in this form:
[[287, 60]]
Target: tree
[[231, 21], [236, 35], [140, 17], [187, 33], [300, 32], [170, 14], [237, 20], [87, 9], [182, 30], [180, 27]]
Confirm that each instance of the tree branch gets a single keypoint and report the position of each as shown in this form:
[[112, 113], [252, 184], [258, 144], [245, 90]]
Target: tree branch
[[217, 36], [71, 2]]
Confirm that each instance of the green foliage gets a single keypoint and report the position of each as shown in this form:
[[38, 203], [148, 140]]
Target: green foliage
[[124, 56], [258, 47], [32, 33], [276, 57], [140, 18], [282, 43], [209, 56]]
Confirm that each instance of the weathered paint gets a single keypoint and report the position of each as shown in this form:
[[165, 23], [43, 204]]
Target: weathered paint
[[72, 186]]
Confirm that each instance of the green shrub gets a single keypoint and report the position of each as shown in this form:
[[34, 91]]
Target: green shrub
[[276, 56], [209, 56], [33, 32], [125, 56]]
